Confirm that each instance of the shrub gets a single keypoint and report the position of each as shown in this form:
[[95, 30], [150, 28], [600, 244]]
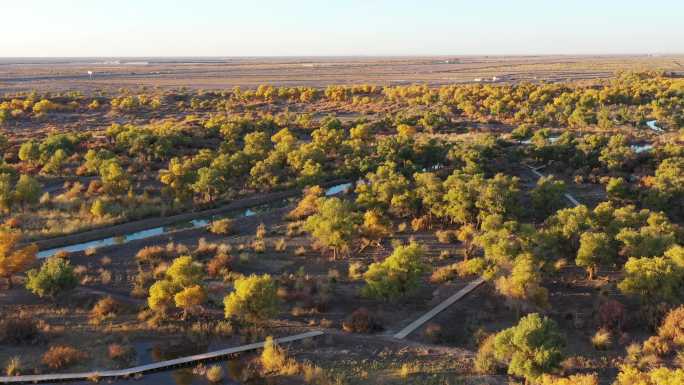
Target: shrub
[[672, 327], [254, 298], [407, 369], [18, 330], [397, 275], [577, 379], [612, 314], [150, 254], [657, 345], [308, 205], [120, 353], [360, 321], [602, 340], [61, 356], [355, 272], [530, 348], [55, 276], [280, 245], [13, 366], [433, 332], [444, 273], [473, 266], [485, 359], [215, 373], [313, 374], [105, 308], [221, 226], [218, 265], [273, 358], [445, 236], [419, 224]]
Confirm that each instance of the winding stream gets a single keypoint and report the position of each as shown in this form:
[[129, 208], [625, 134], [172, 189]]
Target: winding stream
[[192, 224]]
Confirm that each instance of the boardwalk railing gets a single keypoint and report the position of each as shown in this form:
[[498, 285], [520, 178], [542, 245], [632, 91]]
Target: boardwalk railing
[[182, 361]]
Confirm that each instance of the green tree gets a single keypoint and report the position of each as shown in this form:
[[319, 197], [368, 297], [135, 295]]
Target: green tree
[[386, 189], [99, 208], [334, 225], [6, 192], [650, 240], [27, 191], [180, 177], [397, 275], [617, 154], [208, 183], [29, 151], [523, 285], [596, 249], [500, 196], [548, 195], [55, 163], [254, 299], [114, 178], [667, 191], [617, 189], [55, 276], [654, 280], [531, 348]]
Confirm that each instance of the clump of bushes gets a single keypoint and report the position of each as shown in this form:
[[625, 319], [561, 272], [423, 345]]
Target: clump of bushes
[[106, 308], [361, 321], [444, 273], [445, 236], [215, 373], [13, 366], [221, 226], [485, 359], [433, 332], [219, 265], [274, 360], [62, 356], [602, 340], [54, 276], [21, 330], [122, 354]]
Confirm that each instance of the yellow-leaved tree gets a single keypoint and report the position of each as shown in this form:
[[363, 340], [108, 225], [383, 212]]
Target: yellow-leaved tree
[[13, 259]]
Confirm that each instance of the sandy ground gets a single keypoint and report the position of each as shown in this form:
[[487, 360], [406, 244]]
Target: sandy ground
[[224, 73]]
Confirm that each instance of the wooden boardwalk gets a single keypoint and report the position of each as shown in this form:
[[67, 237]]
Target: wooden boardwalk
[[161, 365], [438, 309]]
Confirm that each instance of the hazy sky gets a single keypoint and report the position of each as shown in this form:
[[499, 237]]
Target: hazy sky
[[351, 27]]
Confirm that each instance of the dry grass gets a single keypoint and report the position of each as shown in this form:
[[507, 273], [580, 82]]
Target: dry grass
[[602, 340], [62, 356]]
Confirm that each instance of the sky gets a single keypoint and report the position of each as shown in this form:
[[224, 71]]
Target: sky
[[72, 28]]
